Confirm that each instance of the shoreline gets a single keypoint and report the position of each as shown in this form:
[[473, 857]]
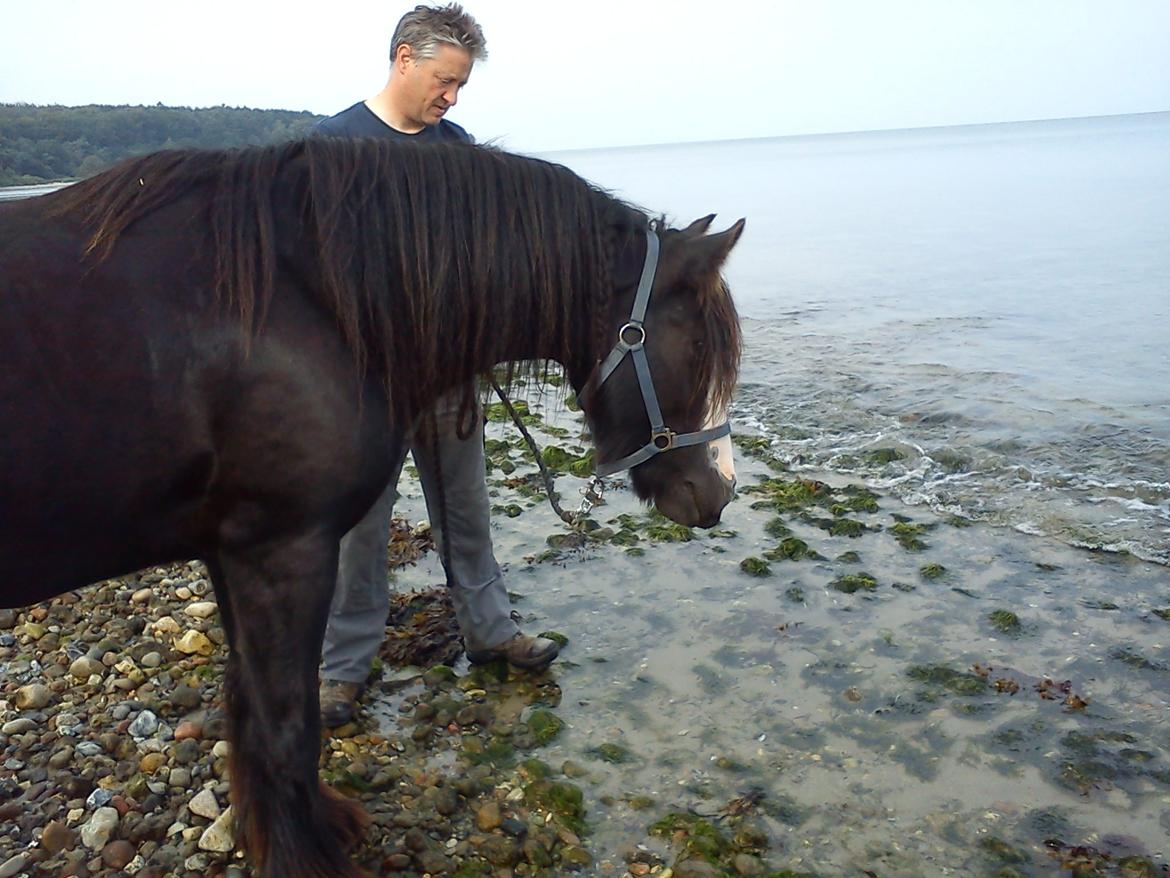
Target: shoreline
[[819, 709]]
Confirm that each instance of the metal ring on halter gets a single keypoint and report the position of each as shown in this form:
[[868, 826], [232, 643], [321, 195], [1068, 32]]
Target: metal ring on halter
[[663, 440], [636, 327]]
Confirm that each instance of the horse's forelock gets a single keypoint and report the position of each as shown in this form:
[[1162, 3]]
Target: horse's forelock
[[718, 369]]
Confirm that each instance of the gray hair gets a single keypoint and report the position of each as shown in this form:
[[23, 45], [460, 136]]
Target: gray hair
[[425, 28]]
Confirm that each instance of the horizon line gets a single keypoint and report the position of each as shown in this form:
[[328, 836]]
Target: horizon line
[[856, 131]]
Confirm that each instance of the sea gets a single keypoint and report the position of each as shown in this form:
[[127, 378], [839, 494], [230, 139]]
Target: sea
[[974, 318]]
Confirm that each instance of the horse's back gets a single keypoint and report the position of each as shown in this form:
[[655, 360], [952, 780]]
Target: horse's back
[[140, 424]]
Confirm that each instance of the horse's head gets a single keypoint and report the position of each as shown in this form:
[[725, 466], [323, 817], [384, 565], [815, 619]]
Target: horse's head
[[657, 401]]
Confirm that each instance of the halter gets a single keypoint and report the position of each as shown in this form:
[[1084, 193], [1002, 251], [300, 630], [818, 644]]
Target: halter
[[632, 341]]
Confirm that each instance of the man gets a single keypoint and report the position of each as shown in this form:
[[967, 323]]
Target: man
[[431, 55]]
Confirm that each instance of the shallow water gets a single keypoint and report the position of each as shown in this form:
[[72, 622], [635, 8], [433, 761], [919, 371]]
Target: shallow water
[[858, 717], [994, 301]]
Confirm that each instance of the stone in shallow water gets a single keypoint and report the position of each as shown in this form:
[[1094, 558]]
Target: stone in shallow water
[[488, 817]]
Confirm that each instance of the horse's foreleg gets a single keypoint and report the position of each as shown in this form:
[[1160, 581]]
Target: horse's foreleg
[[277, 600]]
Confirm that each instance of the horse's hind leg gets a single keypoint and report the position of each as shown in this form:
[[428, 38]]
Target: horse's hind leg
[[277, 599]]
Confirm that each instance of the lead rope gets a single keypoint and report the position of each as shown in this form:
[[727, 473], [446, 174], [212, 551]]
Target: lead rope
[[594, 491]]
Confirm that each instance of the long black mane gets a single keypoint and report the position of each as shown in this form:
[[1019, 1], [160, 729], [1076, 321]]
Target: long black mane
[[406, 239]]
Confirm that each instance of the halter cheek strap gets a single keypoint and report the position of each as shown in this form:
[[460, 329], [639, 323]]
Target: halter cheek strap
[[632, 341]]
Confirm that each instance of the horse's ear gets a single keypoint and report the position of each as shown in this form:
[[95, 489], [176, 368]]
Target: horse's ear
[[708, 253], [699, 226]]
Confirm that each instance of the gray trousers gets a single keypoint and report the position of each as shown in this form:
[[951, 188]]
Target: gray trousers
[[357, 618]]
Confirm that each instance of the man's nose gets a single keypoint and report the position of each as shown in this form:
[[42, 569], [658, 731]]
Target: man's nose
[[451, 96]]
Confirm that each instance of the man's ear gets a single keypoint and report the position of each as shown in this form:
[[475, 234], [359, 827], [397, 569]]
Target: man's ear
[[403, 57]]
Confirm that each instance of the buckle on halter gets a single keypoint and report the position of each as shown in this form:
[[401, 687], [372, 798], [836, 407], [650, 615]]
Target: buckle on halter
[[633, 327], [663, 440]]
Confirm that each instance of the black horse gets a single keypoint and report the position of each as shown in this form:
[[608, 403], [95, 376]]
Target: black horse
[[214, 354]]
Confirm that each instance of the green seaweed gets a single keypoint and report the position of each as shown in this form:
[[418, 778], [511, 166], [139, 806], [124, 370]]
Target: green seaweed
[[615, 754], [1005, 621], [909, 535], [947, 678], [777, 528], [790, 549], [544, 725], [854, 582], [754, 566], [555, 636], [561, 799], [788, 495], [883, 456]]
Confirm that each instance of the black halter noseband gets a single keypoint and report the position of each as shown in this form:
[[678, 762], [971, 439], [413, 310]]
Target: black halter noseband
[[632, 341]]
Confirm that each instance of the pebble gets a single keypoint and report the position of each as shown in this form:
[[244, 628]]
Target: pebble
[[488, 817], [186, 697], [165, 627], [18, 726], [219, 837], [188, 729], [98, 798], [32, 697], [180, 777], [435, 862], [12, 867], [151, 660], [204, 804], [96, 833], [695, 869], [85, 667], [117, 854], [144, 725], [152, 762], [58, 837], [748, 866], [195, 643], [202, 609]]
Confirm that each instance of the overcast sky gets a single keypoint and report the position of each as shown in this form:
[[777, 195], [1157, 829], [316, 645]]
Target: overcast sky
[[617, 72]]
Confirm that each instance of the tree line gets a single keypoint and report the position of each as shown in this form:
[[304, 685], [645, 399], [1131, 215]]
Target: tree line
[[41, 144]]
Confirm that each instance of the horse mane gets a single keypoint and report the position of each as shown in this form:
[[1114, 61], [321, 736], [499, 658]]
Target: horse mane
[[401, 237]]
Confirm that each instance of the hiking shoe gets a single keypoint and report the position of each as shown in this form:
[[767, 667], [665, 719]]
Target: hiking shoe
[[521, 651], [339, 702]]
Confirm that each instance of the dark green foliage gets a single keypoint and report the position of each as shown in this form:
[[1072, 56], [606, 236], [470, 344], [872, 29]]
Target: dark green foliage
[[44, 144]]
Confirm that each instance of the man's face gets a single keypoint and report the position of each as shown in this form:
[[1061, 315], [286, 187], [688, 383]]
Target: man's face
[[432, 84]]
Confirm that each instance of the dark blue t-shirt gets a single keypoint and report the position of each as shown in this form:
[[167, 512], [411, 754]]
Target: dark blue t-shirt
[[360, 121]]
